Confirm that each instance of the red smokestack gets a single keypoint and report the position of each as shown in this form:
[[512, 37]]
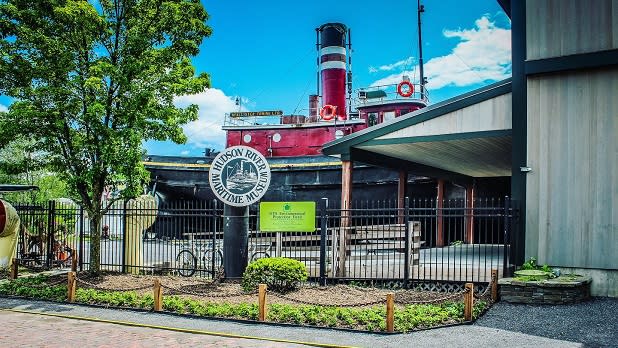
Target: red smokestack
[[333, 67]]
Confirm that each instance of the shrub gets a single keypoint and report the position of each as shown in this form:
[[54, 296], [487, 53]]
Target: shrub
[[278, 273]]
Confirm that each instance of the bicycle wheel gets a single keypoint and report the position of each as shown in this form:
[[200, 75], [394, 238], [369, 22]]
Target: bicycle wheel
[[259, 255], [187, 263], [207, 259]]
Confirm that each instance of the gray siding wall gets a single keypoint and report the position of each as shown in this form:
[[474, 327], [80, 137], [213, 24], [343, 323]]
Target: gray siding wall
[[572, 190], [488, 115], [562, 27]]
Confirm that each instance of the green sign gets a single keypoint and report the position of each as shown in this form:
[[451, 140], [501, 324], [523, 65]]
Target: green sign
[[287, 216]]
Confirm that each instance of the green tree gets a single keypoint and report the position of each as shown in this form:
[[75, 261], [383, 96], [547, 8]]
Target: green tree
[[92, 80], [21, 163]]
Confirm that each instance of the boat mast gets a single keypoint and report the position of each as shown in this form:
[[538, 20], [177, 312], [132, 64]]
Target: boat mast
[[421, 9]]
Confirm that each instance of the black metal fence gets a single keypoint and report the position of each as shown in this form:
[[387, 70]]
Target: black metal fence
[[409, 241]]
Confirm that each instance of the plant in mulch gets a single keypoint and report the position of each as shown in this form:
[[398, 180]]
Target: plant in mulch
[[278, 273], [407, 318]]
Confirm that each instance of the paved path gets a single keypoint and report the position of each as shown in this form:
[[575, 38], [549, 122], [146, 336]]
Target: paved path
[[35, 330]]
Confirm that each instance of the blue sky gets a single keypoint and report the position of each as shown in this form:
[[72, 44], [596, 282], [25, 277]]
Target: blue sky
[[264, 52]]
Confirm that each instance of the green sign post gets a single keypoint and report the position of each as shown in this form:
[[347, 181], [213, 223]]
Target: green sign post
[[287, 216]]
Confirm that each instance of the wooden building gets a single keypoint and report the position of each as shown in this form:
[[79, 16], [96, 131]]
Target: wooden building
[[553, 128]]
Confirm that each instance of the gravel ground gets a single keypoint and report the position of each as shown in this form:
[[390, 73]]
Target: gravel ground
[[593, 323]]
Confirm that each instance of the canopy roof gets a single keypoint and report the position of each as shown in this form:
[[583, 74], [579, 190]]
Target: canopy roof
[[461, 138]]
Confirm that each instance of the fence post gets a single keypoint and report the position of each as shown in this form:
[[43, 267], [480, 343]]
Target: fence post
[[81, 236], [50, 232], [468, 301], [14, 269], [390, 313], [71, 285], [74, 260], [494, 285], [158, 295], [213, 262], [323, 240], [406, 266], [124, 237], [506, 235], [262, 302]]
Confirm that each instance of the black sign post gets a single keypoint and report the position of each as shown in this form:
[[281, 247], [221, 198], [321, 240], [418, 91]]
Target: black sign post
[[239, 176], [235, 240]]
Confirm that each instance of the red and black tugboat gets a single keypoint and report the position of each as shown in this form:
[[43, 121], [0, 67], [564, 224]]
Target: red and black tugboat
[[292, 143]]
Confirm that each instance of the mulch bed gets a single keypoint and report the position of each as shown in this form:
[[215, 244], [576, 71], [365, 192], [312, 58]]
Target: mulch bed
[[231, 292]]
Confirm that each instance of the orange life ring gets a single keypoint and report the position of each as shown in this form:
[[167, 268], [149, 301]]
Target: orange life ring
[[328, 112], [400, 89]]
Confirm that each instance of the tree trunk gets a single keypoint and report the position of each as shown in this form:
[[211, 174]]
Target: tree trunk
[[95, 242]]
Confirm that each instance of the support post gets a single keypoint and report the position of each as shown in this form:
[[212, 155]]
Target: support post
[[262, 302], [323, 240], [469, 214], [494, 285], [468, 301], [390, 313], [71, 285], [158, 295], [235, 240], [346, 199], [439, 215], [401, 194], [507, 237], [14, 269], [408, 240]]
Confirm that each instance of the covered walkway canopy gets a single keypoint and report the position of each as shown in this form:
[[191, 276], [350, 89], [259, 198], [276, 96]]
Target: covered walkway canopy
[[462, 138]]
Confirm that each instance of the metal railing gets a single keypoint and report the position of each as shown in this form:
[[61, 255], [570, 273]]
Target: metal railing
[[416, 240]]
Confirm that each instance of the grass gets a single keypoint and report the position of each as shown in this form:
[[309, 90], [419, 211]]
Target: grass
[[407, 318]]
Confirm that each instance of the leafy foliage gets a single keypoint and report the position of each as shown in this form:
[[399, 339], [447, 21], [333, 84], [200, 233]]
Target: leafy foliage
[[531, 265], [407, 318], [91, 83], [278, 273]]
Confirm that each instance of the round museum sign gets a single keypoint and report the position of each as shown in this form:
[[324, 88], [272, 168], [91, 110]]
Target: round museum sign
[[239, 176]]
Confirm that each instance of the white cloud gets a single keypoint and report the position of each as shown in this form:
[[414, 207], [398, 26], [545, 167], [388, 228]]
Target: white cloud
[[389, 67], [184, 153], [3, 108], [483, 54], [206, 131]]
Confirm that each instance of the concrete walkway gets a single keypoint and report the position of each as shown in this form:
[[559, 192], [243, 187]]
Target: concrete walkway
[[28, 325]]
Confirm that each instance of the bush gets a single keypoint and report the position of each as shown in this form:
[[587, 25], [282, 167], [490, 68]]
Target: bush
[[278, 273]]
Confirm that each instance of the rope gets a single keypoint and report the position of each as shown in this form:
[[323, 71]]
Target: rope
[[437, 300], [482, 295], [98, 287], [207, 294], [361, 304]]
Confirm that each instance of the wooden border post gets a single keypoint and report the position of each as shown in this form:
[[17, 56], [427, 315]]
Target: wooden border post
[[468, 301], [494, 285], [71, 285], [262, 302], [390, 313], [74, 262], [14, 269], [158, 295]]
